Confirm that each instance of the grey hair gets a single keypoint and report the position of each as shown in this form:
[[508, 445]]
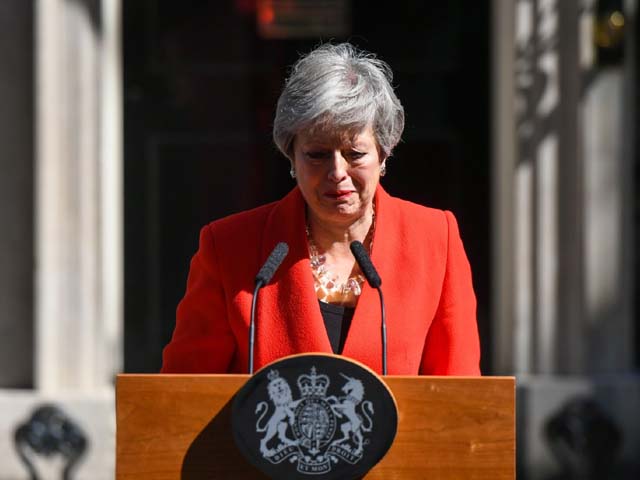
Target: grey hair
[[340, 88]]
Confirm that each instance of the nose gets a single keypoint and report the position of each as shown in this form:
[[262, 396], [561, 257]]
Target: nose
[[338, 167]]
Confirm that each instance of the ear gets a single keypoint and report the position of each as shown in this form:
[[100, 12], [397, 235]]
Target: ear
[[383, 167]]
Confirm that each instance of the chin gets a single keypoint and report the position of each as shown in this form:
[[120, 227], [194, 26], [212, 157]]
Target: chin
[[339, 212], [348, 213]]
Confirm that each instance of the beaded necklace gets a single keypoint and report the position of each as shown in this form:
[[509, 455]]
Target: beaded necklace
[[327, 287]]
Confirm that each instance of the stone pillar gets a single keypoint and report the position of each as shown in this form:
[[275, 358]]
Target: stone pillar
[[562, 194], [78, 195], [60, 208], [563, 198], [608, 145], [16, 194]]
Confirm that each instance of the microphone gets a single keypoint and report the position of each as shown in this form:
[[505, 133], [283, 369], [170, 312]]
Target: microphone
[[263, 277], [363, 259], [272, 264], [374, 280]]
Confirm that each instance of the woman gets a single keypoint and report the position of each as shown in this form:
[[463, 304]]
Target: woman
[[337, 121]]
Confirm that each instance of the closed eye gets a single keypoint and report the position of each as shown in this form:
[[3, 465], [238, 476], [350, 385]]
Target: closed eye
[[355, 155], [318, 154]]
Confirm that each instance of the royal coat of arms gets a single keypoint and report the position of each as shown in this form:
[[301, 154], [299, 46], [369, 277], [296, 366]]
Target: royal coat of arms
[[315, 430], [315, 416]]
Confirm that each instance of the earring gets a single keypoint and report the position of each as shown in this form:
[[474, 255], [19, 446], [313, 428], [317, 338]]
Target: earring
[[292, 172], [383, 169]]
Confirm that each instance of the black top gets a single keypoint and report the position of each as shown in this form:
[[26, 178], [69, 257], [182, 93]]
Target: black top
[[337, 320]]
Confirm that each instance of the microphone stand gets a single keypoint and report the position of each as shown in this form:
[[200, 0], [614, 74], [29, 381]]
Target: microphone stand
[[374, 281], [383, 332], [252, 324]]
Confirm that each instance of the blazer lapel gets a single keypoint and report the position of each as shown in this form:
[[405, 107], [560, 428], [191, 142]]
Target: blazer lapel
[[289, 318], [364, 340]]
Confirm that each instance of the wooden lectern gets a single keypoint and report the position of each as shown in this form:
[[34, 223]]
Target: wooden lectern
[[179, 427]]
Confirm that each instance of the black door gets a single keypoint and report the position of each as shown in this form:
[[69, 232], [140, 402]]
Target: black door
[[201, 83]]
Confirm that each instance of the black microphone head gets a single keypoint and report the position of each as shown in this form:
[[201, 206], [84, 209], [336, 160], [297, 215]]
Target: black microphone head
[[273, 263], [368, 270]]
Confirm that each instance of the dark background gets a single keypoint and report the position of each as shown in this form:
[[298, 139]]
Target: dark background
[[200, 90]]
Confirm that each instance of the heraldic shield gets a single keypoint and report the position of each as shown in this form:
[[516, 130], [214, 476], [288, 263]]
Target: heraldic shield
[[314, 416]]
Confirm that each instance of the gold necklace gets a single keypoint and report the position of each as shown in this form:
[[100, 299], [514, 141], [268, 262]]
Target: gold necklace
[[327, 287]]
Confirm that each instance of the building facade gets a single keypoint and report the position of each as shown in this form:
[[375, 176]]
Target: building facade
[[522, 118]]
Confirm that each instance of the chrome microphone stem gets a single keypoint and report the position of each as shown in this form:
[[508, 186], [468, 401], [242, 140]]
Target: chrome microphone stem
[[383, 332], [252, 324]]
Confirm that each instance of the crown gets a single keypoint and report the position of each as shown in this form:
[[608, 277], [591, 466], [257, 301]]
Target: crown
[[273, 374], [313, 385]]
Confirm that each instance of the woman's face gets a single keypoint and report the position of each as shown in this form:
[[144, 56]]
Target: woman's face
[[337, 174]]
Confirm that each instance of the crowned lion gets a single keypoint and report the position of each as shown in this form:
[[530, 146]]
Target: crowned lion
[[283, 416]]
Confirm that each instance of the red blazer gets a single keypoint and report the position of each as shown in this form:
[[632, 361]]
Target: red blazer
[[426, 280]]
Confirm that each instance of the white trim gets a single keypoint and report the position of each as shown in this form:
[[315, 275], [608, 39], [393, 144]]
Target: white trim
[[112, 187]]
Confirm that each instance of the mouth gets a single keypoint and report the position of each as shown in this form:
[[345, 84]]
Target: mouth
[[338, 194]]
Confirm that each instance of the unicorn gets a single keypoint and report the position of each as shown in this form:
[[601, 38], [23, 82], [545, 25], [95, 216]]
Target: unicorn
[[346, 406]]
